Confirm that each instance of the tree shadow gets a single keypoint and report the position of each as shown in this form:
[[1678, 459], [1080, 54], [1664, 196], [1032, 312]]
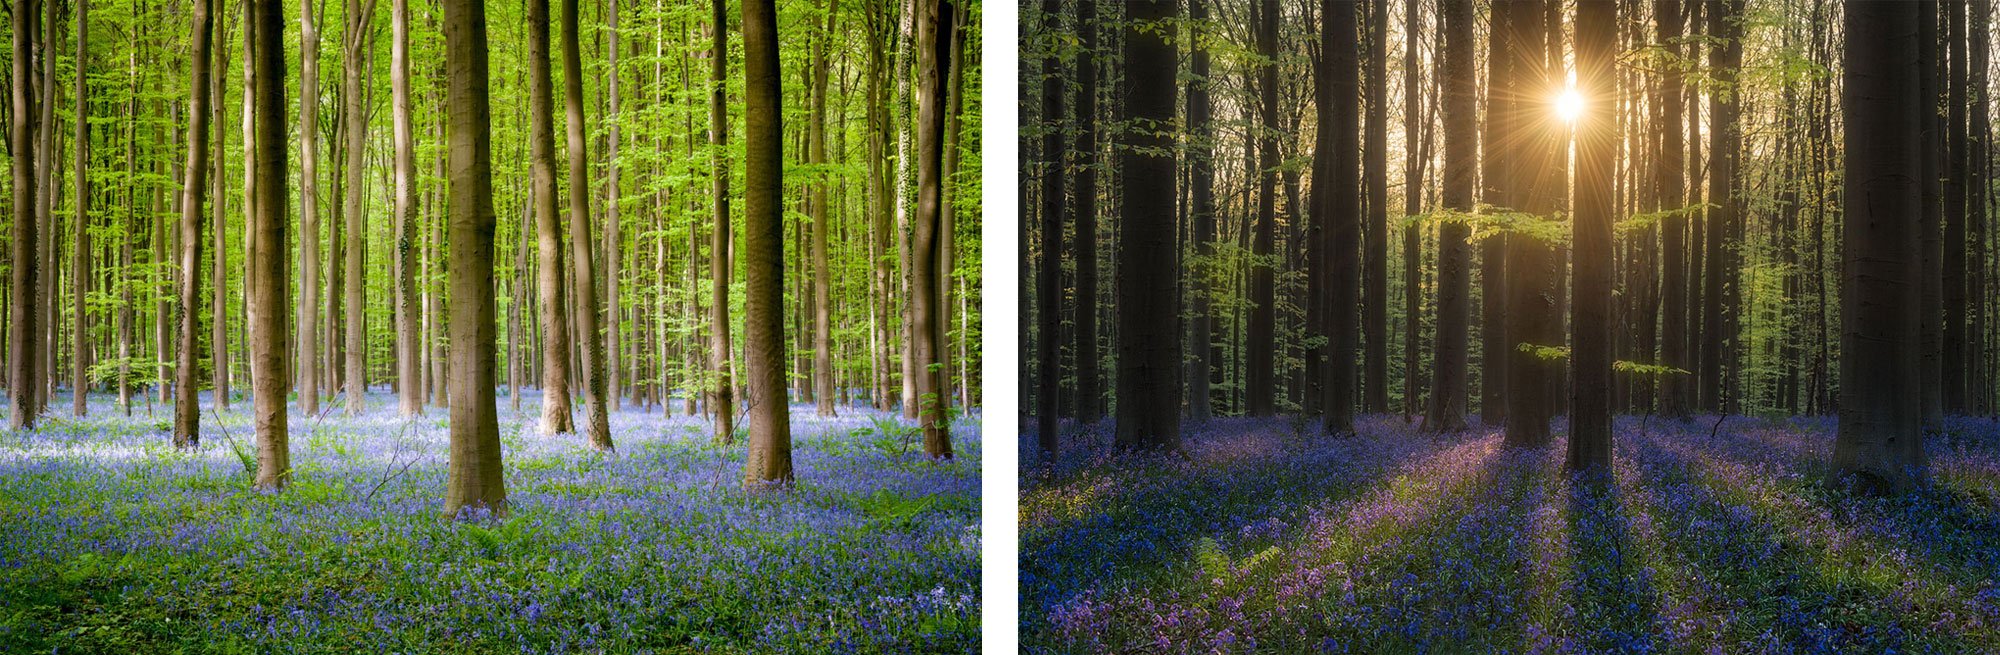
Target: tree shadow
[[1615, 607], [1784, 554], [1133, 515]]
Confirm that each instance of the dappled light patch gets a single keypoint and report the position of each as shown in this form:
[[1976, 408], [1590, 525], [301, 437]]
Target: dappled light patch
[[1711, 537]]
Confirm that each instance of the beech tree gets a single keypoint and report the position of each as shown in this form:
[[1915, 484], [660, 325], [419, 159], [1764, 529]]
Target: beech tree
[[270, 298], [475, 471], [187, 413], [1149, 337], [25, 283], [770, 460], [1880, 434]]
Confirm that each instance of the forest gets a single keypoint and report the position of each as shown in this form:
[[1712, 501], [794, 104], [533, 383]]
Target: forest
[[1508, 326], [615, 326]]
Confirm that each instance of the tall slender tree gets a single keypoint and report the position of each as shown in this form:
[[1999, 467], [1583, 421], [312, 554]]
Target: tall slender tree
[[770, 458], [1089, 394], [1259, 380], [1675, 387], [1596, 142], [822, 301], [309, 261], [1048, 273], [1201, 198], [187, 414], [1375, 226], [81, 270], [475, 471], [552, 284], [1416, 128], [1149, 332], [23, 338], [1341, 234], [1495, 161], [408, 376], [934, 30], [589, 311], [354, 109], [1931, 236], [614, 240], [1879, 439], [1461, 146], [1725, 56], [1532, 320], [720, 255], [271, 294]]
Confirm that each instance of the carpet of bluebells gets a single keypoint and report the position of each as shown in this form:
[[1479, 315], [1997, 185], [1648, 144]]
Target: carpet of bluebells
[[1708, 538], [112, 542]]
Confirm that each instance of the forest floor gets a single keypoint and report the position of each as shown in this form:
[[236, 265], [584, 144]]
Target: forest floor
[[112, 542], [1260, 539]]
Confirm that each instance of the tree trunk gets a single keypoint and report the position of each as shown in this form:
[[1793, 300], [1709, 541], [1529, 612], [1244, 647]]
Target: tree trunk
[[589, 312], [614, 242], [360, 23], [822, 301], [309, 261], [219, 269], [770, 457], [1201, 200], [1880, 439], [1341, 234], [1531, 318], [1495, 191], [408, 378], [475, 468], [552, 282], [1048, 290], [1461, 147], [1725, 56], [720, 254], [187, 413], [1675, 385], [1375, 245], [1931, 229], [1595, 210], [934, 30], [22, 315], [1089, 389], [1952, 289], [1415, 128], [1149, 332], [82, 271], [270, 294], [904, 27], [1259, 382]]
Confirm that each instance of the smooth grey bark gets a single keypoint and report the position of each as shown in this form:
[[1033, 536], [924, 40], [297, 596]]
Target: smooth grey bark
[[475, 469], [1880, 439], [770, 456], [409, 379], [589, 311], [720, 256], [1446, 411], [551, 278], [81, 270], [23, 335], [1148, 313], [309, 256], [360, 24], [934, 29], [270, 295], [187, 413], [1596, 141]]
